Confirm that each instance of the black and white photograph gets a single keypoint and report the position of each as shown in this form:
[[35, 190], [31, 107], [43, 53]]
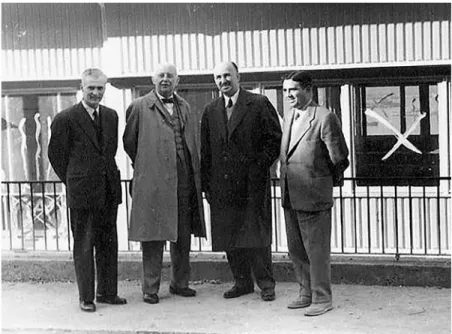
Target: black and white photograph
[[226, 167]]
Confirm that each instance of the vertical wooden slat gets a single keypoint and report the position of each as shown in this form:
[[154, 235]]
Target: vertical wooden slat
[[348, 41], [323, 47], [427, 41], [418, 41], [340, 45], [306, 38], [391, 43], [357, 48], [374, 43], [382, 40], [436, 40], [409, 42], [445, 39]]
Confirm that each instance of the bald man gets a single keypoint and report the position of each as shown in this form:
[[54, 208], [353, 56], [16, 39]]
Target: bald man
[[161, 140], [240, 140]]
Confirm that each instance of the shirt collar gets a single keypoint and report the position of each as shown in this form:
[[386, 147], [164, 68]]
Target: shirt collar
[[89, 109], [233, 98]]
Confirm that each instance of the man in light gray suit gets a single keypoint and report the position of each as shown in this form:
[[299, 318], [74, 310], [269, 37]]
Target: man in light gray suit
[[314, 155]]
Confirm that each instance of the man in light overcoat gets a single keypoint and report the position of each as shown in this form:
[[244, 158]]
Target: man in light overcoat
[[162, 140]]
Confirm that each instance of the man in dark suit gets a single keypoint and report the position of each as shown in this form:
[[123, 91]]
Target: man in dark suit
[[82, 152], [314, 155], [240, 140]]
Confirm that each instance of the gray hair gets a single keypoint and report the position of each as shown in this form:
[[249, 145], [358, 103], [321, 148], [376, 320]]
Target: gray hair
[[92, 72]]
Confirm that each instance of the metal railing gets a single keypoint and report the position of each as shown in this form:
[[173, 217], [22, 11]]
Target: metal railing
[[370, 216]]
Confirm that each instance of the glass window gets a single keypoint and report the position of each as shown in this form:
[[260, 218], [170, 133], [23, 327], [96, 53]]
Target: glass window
[[412, 110], [383, 102], [397, 133], [26, 134], [433, 105]]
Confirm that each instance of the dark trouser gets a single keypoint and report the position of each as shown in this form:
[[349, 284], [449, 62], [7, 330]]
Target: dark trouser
[[180, 252], [245, 261], [309, 241], [95, 229]]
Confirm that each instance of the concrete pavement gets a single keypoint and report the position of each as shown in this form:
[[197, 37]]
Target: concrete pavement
[[40, 308]]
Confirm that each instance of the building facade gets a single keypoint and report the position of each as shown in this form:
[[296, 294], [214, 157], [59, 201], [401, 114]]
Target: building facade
[[383, 68]]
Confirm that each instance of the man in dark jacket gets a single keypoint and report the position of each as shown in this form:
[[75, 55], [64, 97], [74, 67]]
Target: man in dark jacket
[[82, 149], [240, 139]]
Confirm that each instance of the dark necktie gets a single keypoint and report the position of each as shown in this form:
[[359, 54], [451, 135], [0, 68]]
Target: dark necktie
[[167, 100], [96, 118], [97, 126], [230, 104]]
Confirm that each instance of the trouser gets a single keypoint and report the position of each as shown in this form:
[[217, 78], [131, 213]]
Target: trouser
[[95, 230], [180, 252], [247, 261], [309, 241]]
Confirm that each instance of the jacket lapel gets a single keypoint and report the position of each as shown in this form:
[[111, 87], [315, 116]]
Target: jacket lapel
[[287, 127], [86, 124], [104, 126], [239, 111], [182, 109], [155, 103], [299, 131], [219, 113]]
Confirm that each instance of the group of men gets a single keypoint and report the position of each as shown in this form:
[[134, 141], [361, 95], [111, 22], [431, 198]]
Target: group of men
[[240, 139]]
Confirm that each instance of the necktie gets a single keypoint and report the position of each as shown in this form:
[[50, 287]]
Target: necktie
[[229, 109], [96, 117], [168, 100]]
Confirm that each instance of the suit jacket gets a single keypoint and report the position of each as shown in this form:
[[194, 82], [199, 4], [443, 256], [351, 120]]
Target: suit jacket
[[149, 141], [313, 160], [87, 167], [235, 162]]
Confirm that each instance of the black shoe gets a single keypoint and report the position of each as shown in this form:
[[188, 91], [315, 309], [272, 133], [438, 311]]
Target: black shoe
[[268, 295], [151, 298], [87, 306], [238, 291], [115, 300], [184, 292]]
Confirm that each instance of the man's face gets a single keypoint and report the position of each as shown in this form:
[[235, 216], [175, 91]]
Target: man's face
[[93, 90], [295, 95], [165, 80], [226, 78]]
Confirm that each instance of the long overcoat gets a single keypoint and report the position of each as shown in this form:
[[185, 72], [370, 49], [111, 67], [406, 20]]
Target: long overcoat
[[236, 157], [149, 141]]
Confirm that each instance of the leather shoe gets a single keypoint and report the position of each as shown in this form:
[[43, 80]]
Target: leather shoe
[[318, 309], [151, 298], [236, 291], [87, 306], [300, 302], [114, 300], [268, 295], [184, 292]]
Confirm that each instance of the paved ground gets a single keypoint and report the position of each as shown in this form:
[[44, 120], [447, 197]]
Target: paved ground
[[40, 308]]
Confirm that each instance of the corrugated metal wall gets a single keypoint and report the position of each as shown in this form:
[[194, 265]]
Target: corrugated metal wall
[[259, 37], [49, 41]]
